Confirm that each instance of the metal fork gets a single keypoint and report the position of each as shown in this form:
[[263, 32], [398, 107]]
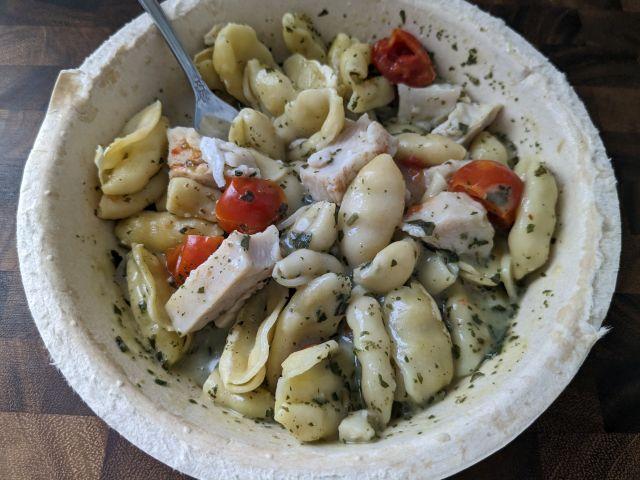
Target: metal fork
[[213, 116]]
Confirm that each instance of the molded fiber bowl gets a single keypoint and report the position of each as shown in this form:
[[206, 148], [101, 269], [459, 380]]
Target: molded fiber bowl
[[68, 277]]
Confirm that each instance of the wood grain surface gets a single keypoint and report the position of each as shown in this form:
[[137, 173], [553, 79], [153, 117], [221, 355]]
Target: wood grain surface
[[591, 432]]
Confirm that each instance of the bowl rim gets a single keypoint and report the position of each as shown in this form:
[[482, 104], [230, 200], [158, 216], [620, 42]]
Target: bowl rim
[[52, 303]]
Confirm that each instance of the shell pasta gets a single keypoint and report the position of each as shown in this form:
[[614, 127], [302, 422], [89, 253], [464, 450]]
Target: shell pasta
[[349, 254]]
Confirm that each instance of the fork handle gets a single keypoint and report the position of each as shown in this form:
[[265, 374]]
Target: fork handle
[[154, 9]]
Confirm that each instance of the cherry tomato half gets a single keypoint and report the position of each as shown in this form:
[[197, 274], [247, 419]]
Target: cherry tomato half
[[494, 185], [250, 205], [402, 59], [189, 255]]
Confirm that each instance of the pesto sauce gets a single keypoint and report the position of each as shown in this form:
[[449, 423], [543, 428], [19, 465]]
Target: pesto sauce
[[203, 355]]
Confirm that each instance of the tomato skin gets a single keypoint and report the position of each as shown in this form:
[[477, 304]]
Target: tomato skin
[[494, 185], [249, 205], [401, 58], [189, 255]]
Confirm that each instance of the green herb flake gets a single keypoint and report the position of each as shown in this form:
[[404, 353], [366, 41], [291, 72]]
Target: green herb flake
[[472, 57], [201, 290], [299, 240], [449, 256], [530, 228], [382, 382], [352, 219], [499, 196], [159, 381], [121, 345], [541, 170], [403, 16], [244, 243], [473, 79], [142, 305], [427, 227], [478, 243]]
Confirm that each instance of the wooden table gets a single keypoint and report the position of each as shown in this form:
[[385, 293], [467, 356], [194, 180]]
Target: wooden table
[[590, 432]]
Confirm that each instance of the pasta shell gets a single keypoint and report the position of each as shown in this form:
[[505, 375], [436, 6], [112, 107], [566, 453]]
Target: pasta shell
[[242, 364]]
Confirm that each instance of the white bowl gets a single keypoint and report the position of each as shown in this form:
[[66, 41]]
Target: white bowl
[[67, 273]]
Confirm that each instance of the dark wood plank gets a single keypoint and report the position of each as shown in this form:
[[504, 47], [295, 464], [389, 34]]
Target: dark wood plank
[[15, 323], [608, 107], [45, 45], [25, 87], [89, 13], [45, 447], [576, 455], [577, 409], [31, 384], [518, 460], [594, 65], [546, 4], [18, 129], [631, 5], [122, 460]]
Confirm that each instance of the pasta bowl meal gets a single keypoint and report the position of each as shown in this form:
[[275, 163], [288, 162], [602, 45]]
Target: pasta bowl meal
[[394, 262]]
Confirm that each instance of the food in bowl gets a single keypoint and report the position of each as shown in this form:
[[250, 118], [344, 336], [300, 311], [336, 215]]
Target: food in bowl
[[359, 237]]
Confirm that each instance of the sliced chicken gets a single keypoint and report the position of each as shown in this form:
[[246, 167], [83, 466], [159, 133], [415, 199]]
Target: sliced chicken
[[329, 171], [428, 106], [221, 284], [467, 120], [185, 157], [207, 160], [436, 178], [226, 158], [452, 221]]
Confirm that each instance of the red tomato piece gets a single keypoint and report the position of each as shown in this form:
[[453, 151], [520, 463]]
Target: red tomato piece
[[250, 205], [494, 185], [189, 255], [401, 58]]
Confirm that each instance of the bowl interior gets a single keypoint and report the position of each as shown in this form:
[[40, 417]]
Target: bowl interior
[[69, 276]]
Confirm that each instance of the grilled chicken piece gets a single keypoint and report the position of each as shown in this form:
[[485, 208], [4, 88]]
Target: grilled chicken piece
[[207, 160], [218, 288], [220, 154], [436, 178], [467, 120], [452, 221], [330, 170], [185, 157], [428, 106]]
